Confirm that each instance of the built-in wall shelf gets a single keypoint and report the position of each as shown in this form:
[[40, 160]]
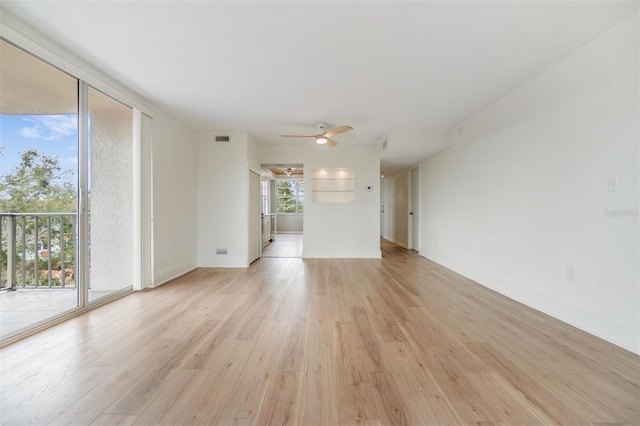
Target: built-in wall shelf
[[332, 185]]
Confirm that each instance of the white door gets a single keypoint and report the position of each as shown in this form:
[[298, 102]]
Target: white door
[[415, 209], [381, 208]]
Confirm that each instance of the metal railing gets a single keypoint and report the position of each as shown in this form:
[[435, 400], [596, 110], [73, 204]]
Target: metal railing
[[38, 250]]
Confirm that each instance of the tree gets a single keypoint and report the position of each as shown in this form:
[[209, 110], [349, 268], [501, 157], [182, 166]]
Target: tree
[[286, 196], [37, 184]]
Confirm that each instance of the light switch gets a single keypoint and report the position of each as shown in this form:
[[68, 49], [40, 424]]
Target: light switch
[[612, 184]]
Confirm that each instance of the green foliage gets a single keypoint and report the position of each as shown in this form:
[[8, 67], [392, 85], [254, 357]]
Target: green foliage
[[38, 184], [290, 196], [286, 196]]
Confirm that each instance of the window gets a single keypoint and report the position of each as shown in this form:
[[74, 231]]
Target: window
[[290, 196]]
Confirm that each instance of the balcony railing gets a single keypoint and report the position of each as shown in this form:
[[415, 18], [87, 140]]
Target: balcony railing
[[38, 250]]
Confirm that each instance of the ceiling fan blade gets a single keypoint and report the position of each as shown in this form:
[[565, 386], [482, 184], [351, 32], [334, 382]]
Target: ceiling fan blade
[[298, 136], [338, 130], [331, 143]]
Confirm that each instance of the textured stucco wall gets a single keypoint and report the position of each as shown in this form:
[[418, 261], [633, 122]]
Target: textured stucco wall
[[111, 200]]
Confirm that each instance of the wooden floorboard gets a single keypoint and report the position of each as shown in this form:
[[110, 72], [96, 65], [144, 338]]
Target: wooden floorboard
[[284, 245], [400, 340]]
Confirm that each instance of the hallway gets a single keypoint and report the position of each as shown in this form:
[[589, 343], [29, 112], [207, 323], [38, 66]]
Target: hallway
[[284, 245]]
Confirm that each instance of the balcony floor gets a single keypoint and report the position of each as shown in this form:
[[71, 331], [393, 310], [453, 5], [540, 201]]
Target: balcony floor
[[26, 307]]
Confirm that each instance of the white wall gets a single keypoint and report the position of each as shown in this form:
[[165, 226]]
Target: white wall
[[253, 154], [337, 230], [293, 223], [223, 198], [144, 149], [407, 145], [174, 198], [522, 195]]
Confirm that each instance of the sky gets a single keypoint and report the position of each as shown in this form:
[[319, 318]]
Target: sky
[[54, 135]]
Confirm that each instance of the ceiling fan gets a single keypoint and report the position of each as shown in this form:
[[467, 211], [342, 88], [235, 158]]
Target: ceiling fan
[[323, 136]]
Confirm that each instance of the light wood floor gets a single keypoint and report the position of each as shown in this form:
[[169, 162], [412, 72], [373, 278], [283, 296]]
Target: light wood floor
[[284, 245], [290, 341]]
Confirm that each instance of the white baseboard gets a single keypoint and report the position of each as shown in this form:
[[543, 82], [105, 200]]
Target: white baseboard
[[611, 331], [306, 254], [167, 275]]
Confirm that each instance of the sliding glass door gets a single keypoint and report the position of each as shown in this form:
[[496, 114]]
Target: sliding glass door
[[66, 193], [38, 190]]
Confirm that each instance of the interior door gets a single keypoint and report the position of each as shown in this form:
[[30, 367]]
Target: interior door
[[415, 209], [381, 208]]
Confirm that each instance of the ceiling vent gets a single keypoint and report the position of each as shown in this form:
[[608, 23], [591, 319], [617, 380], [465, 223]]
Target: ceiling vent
[[222, 138]]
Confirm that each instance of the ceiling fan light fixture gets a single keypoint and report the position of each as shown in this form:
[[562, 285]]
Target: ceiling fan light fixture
[[322, 136]]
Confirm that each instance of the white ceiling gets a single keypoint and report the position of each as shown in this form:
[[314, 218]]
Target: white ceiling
[[401, 71]]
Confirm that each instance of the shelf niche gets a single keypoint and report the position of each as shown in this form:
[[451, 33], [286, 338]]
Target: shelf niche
[[332, 186]]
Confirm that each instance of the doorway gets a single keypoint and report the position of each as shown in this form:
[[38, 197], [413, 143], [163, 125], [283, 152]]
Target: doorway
[[414, 213], [283, 200]]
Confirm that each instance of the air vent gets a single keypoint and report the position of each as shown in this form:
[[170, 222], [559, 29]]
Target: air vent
[[384, 144], [222, 138]]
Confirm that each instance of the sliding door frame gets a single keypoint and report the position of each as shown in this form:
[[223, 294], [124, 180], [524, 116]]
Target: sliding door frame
[[83, 194], [142, 239]]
